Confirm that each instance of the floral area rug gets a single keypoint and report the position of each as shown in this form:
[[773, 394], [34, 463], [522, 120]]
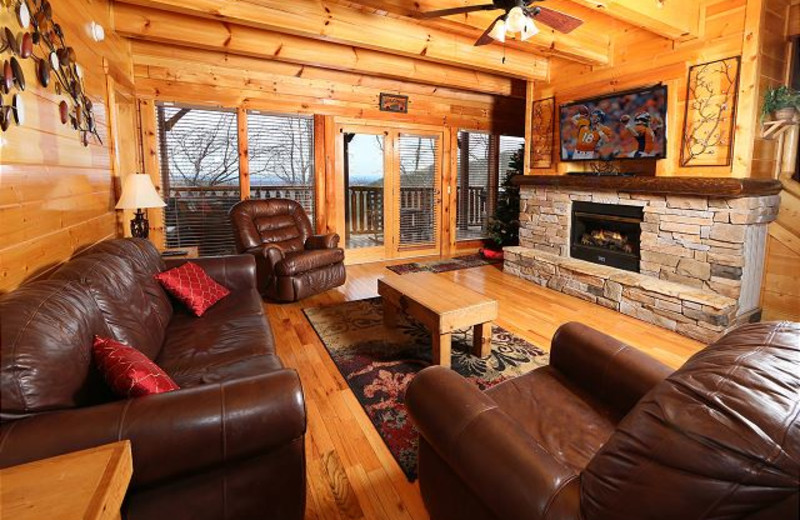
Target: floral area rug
[[378, 364], [441, 266]]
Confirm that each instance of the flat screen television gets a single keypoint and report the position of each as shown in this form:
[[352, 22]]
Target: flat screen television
[[626, 125]]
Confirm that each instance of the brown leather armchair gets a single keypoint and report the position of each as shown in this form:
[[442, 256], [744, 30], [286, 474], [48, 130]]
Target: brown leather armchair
[[606, 433], [292, 262]]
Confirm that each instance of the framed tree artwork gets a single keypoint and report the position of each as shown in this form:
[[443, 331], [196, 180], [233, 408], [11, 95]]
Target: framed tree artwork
[[543, 133], [711, 97]]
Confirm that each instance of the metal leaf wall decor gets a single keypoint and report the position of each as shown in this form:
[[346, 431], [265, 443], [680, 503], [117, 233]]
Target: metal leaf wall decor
[[36, 36], [543, 133], [712, 91]]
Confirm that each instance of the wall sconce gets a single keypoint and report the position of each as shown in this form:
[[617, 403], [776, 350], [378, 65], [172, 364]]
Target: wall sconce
[[96, 31]]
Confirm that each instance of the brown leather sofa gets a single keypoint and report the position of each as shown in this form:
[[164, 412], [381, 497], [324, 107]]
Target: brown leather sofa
[[228, 444], [607, 433], [293, 263]]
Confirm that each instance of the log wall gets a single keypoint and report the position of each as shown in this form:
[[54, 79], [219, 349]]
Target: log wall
[[57, 197]]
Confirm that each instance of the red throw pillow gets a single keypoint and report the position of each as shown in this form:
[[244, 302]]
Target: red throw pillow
[[127, 371], [192, 286]]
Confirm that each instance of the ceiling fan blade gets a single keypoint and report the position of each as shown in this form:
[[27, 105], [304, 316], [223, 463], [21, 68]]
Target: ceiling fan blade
[[557, 20], [485, 39], [457, 10]]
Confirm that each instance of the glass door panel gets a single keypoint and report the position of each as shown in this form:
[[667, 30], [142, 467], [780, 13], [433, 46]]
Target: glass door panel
[[364, 177], [419, 196]]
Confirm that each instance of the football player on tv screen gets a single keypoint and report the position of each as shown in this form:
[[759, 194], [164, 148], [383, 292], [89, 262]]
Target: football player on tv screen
[[642, 128], [592, 132]]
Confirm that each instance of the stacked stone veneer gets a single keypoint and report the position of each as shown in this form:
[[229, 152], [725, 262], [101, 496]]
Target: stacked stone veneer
[[701, 257]]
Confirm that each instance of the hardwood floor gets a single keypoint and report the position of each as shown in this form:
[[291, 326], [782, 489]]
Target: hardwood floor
[[351, 473]]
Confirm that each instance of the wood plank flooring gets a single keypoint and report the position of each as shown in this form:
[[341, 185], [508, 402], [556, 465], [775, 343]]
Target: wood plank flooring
[[351, 473]]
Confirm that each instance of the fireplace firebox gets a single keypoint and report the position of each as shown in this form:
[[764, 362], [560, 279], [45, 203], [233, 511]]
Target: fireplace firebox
[[607, 234]]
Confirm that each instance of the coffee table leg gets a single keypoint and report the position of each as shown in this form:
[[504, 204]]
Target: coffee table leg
[[482, 340], [389, 314], [441, 350]]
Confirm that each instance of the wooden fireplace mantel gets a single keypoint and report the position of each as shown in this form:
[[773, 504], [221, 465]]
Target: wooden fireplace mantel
[[712, 187]]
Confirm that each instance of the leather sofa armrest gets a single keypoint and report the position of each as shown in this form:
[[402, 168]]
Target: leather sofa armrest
[[236, 272], [617, 374], [329, 241], [481, 444], [172, 434], [270, 253]]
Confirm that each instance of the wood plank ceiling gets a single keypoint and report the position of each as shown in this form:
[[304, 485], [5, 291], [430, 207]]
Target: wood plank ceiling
[[387, 37]]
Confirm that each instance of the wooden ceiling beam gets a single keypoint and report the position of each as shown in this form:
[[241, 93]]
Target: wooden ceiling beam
[[582, 45], [340, 24], [674, 19], [200, 33]]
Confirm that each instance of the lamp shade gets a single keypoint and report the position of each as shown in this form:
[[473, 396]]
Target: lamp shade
[[139, 192], [515, 21], [529, 30], [498, 32]]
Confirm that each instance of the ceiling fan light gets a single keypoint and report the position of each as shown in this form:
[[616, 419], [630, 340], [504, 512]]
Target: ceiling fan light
[[515, 21], [498, 32], [529, 30]]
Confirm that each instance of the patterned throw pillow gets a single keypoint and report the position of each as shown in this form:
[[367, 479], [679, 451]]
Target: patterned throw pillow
[[127, 371], [193, 287]]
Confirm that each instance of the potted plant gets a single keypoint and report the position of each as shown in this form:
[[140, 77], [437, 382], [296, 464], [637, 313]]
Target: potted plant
[[504, 223], [781, 103]]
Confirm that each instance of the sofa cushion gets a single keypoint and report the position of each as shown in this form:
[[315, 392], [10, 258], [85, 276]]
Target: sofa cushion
[[114, 285], [232, 340], [127, 371], [190, 284], [720, 438], [147, 262], [553, 406], [304, 261], [46, 332]]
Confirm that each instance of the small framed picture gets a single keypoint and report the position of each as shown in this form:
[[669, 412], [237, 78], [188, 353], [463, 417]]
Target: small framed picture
[[394, 103]]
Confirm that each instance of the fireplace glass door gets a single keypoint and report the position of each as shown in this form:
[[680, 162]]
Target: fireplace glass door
[[607, 234]]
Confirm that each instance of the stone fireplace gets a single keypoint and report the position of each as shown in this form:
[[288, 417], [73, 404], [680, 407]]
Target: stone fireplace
[[683, 253]]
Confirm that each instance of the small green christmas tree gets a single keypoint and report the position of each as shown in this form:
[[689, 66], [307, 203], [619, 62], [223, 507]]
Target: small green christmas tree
[[504, 224]]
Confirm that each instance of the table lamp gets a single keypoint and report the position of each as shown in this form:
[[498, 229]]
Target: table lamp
[[138, 193]]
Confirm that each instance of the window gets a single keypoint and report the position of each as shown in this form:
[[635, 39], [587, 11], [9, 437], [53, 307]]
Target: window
[[200, 176], [417, 199], [483, 162], [509, 147], [281, 156], [200, 171], [472, 185]]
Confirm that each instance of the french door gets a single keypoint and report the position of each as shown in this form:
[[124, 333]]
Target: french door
[[389, 192]]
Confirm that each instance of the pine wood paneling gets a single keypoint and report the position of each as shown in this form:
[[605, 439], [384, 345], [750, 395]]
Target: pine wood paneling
[[188, 31], [778, 158], [671, 19], [211, 78], [57, 197], [364, 29], [641, 58]]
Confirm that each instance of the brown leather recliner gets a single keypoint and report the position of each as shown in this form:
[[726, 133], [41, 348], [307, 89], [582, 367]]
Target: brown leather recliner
[[228, 444], [606, 433], [293, 263]]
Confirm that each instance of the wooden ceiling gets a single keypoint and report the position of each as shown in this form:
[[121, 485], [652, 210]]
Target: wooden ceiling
[[387, 37]]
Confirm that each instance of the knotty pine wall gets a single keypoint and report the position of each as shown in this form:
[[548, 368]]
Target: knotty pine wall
[[204, 77], [57, 197], [781, 295], [641, 58]]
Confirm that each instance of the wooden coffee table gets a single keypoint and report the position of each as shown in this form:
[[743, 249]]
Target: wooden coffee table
[[443, 307]]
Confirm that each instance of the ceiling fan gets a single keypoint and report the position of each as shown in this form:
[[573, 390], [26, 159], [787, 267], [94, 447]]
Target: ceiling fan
[[518, 17]]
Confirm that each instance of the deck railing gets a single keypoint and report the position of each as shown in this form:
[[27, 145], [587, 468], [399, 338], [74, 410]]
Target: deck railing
[[365, 203]]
